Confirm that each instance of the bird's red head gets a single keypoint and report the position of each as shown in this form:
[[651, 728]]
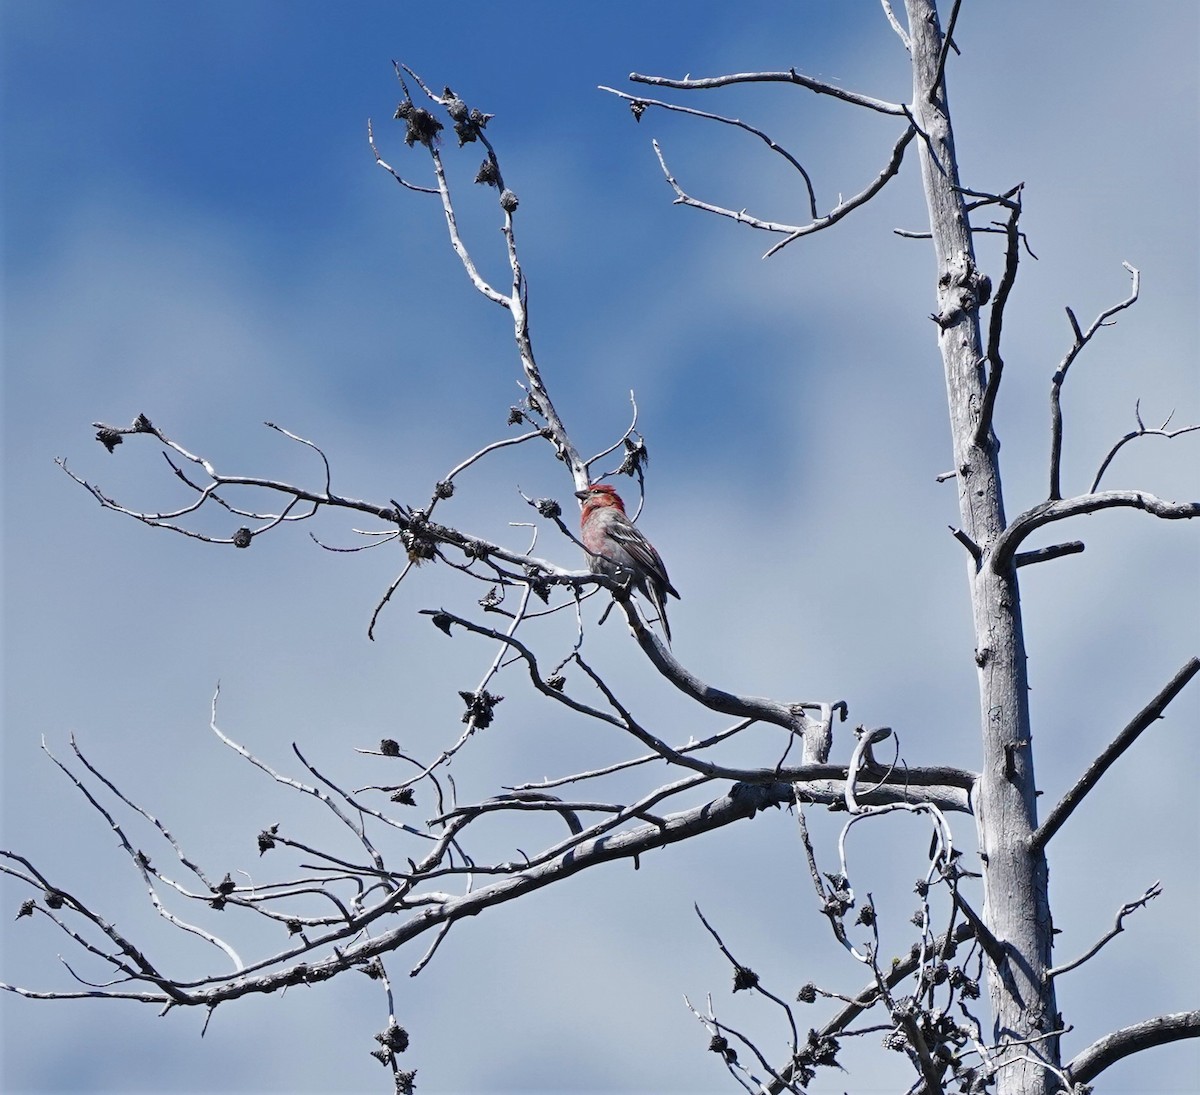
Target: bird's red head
[[598, 496]]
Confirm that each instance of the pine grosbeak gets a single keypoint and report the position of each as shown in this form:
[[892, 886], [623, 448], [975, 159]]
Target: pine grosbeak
[[617, 548]]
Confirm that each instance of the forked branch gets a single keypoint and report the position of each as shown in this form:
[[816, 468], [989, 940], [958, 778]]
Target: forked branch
[[1082, 338], [1046, 513], [1132, 435]]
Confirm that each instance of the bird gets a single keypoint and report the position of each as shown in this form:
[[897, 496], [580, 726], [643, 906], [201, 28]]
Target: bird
[[617, 547]]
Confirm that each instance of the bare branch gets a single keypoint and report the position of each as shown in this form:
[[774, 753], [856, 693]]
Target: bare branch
[[1106, 1051], [140, 861], [1154, 891], [450, 476], [1082, 338], [741, 216], [890, 170], [1044, 555], [720, 1044], [515, 301], [789, 77], [794, 232], [1143, 719], [873, 993], [1045, 513], [947, 45], [973, 549], [1141, 431], [745, 978], [391, 170], [639, 104], [645, 758], [891, 18], [1012, 200]]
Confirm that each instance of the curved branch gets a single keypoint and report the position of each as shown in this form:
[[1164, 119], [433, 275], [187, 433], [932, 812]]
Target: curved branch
[[1128, 908], [1003, 550], [639, 104], [682, 197], [890, 169], [1159, 1031], [391, 170]]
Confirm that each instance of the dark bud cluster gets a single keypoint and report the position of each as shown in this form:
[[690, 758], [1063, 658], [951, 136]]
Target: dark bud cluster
[[720, 1044], [395, 1037], [467, 123], [109, 438], [480, 707], [636, 457], [744, 978], [487, 175], [421, 127]]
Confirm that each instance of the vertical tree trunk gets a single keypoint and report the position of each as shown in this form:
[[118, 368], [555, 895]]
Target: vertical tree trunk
[[1015, 878]]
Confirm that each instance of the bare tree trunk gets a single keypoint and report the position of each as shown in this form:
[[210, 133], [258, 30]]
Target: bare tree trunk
[[1015, 878]]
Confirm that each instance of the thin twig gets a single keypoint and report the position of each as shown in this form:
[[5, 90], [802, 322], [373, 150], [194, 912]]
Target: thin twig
[[391, 170], [1155, 890], [1141, 431], [1082, 338]]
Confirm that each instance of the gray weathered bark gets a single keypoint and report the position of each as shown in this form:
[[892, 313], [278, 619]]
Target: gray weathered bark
[[1015, 879]]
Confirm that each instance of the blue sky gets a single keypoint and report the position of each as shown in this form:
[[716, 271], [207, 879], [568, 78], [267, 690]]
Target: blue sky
[[194, 229]]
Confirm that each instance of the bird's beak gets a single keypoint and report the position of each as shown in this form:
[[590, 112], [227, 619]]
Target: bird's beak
[[582, 495]]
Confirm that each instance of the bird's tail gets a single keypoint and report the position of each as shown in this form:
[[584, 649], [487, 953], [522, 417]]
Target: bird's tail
[[657, 599]]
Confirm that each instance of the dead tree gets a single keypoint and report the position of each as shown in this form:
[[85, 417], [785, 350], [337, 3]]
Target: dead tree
[[355, 911]]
